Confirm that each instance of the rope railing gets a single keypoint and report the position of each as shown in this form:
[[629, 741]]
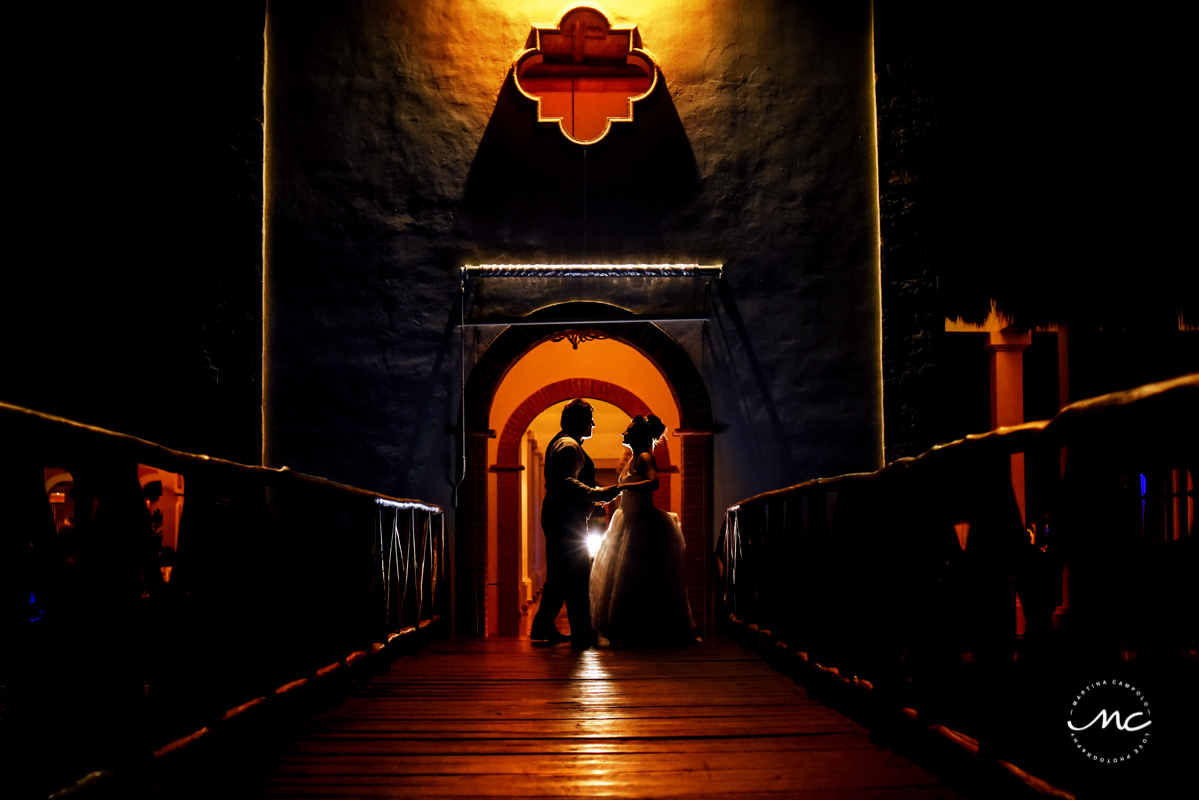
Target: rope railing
[[918, 588], [123, 652]]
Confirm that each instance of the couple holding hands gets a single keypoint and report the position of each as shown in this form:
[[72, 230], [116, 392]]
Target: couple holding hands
[[636, 592]]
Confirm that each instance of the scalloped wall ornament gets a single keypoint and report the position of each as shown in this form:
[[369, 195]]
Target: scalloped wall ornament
[[585, 73]]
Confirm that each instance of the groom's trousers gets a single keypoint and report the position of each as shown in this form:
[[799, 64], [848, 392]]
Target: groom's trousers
[[568, 578]]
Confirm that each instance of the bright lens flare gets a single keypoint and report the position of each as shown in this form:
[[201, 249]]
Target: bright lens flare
[[594, 540]]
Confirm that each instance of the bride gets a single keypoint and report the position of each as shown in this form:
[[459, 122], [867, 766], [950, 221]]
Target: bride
[[638, 586]]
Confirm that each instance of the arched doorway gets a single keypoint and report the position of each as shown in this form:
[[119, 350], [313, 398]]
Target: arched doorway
[[513, 511], [694, 457]]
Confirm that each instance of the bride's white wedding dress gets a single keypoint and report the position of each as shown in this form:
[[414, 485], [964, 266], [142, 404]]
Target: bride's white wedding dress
[[638, 584]]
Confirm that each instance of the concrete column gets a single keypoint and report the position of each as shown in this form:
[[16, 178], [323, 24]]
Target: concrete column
[[503, 595], [1063, 381], [526, 458], [470, 542], [537, 481], [529, 533], [1006, 348], [696, 519]]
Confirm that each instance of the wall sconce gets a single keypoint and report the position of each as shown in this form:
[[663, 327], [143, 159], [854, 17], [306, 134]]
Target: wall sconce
[[585, 74]]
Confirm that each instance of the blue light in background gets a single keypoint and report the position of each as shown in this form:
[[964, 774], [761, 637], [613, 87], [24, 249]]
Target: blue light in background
[[1143, 492], [35, 613]]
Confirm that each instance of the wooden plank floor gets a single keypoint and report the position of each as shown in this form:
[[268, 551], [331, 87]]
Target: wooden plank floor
[[502, 718]]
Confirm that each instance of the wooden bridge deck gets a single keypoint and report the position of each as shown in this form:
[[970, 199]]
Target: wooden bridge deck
[[502, 718]]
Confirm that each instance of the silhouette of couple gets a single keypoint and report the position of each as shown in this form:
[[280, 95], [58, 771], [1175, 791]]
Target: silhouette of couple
[[636, 593]]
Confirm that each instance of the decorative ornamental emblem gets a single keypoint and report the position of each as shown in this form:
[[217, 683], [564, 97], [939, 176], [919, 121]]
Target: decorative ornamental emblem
[[585, 74], [574, 337]]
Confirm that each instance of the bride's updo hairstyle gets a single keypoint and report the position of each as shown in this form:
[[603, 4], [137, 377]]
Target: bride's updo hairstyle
[[648, 428]]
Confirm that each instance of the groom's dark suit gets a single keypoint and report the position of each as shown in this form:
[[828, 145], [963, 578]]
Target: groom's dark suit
[[570, 497]]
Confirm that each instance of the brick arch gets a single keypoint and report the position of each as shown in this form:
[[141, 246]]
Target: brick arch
[[695, 452], [691, 395], [546, 396]]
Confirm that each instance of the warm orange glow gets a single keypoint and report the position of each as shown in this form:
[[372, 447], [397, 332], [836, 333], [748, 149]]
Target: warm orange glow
[[1005, 346], [605, 446], [605, 359], [584, 73], [168, 505], [488, 33], [546, 364]]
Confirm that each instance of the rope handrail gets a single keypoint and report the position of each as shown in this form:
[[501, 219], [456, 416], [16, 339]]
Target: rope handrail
[[157, 455], [919, 588], [228, 591], [1015, 438]]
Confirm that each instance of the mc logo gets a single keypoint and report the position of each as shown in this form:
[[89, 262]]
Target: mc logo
[[1121, 733], [1115, 715]]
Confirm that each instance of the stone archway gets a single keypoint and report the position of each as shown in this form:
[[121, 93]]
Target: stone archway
[[508, 468], [695, 414]]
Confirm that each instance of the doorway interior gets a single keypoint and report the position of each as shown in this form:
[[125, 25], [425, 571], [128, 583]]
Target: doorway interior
[[625, 369], [619, 382]]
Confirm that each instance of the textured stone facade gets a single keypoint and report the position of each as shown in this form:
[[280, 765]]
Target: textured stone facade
[[398, 150]]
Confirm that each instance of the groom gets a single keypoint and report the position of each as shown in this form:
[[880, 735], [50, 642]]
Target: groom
[[570, 497]]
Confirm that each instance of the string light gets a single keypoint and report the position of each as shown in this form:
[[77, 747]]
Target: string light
[[592, 270], [407, 505]]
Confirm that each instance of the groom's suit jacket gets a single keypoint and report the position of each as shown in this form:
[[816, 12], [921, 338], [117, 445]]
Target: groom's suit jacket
[[569, 489]]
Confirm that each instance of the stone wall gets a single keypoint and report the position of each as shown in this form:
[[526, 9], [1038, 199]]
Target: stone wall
[[398, 150]]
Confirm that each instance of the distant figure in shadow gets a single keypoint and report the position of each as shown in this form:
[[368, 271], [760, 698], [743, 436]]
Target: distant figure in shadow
[[638, 583], [570, 498]]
